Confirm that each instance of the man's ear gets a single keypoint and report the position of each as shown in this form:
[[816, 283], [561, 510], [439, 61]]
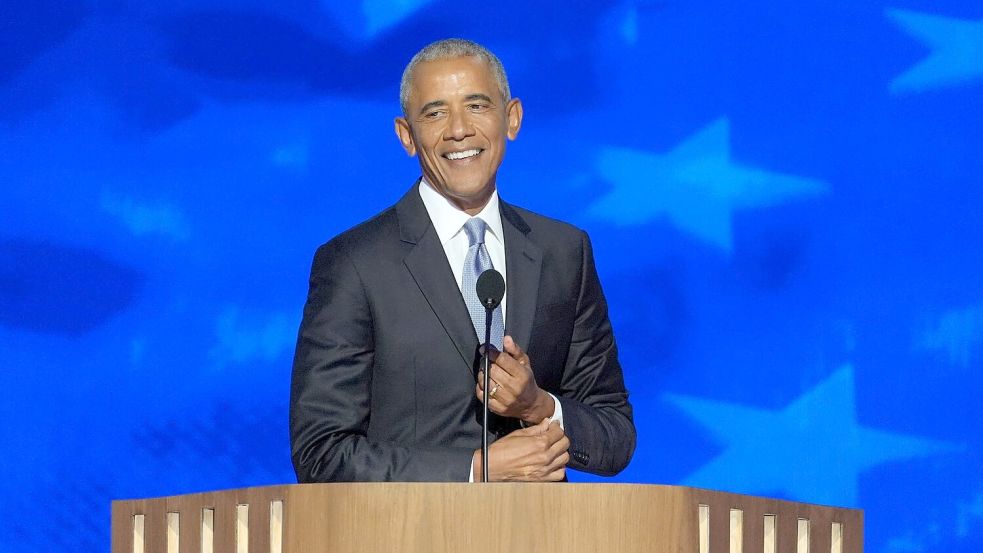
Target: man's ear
[[513, 111], [405, 135]]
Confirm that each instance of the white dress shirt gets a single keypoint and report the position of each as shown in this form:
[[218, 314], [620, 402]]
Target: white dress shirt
[[448, 221]]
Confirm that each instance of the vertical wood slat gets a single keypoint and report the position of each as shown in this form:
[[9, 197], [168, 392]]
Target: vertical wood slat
[[139, 542], [242, 528], [276, 526], [803, 529], [769, 533], [173, 531], [836, 537], [736, 531], [206, 543], [703, 513]]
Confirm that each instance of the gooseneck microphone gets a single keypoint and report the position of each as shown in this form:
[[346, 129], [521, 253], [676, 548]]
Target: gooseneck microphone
[[490, 289]]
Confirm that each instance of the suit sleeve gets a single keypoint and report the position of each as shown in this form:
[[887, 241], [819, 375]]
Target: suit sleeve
[[330, 393], [597, 415]]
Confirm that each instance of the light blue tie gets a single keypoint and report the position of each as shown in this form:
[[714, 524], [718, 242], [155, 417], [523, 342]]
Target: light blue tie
[[476, 263]]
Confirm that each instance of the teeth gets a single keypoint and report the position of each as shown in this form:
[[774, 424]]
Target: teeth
[[462, 155]]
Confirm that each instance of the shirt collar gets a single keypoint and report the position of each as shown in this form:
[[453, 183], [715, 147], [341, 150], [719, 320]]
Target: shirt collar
[[448, 219]]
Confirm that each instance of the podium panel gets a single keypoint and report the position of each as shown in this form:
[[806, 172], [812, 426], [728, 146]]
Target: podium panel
[[480, 518]]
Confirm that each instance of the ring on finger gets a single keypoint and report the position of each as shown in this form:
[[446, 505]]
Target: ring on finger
[[494, 389]]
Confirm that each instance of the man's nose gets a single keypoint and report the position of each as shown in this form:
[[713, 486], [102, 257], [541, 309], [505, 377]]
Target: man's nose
[[458, 127]]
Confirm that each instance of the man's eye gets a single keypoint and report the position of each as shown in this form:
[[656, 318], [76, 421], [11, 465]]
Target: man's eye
[[477, 107]]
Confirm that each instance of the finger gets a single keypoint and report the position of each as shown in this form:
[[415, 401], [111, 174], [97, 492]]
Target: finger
[[559, 447], [557, 475], [500, 403], [503, 378], [512, 348], [510, 364], [534, 430], [493, 381], [516, 352], [554, 432], [497, 406], [559, 462]]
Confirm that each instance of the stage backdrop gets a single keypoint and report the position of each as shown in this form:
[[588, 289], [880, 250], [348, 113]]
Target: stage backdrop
[[784, 199]]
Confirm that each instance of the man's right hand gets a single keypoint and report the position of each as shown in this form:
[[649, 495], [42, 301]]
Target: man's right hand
[[534, 454]]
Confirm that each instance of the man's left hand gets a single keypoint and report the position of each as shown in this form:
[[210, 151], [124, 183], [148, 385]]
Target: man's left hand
[[514, 392]]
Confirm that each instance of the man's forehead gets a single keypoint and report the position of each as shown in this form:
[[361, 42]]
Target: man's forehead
[[465, 75]]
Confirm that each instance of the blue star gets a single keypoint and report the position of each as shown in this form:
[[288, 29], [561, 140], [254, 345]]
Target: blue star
[[959, 333], [695, 185], [380, 15], [957, 51], [812, 450]]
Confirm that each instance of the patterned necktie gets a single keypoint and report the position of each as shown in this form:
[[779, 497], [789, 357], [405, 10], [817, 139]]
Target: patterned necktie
[[476, 263]]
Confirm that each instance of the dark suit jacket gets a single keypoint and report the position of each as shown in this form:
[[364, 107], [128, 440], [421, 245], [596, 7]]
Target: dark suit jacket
[[384, 372]]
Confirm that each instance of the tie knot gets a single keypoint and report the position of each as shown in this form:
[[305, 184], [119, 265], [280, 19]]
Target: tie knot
[[475, 229]]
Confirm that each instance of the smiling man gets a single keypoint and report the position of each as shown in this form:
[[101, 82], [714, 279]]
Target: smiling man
[[386, 381]]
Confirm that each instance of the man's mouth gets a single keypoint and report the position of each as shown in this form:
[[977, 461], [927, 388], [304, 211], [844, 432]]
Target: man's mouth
[[453, 156]]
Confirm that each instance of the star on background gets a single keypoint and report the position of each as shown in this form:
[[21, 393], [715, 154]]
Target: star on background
[[958, 333], [381, 15], [812, 450], [695, 185], [957, 51]]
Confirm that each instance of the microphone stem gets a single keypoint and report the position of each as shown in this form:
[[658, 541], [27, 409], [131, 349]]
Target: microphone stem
[[484, 411]]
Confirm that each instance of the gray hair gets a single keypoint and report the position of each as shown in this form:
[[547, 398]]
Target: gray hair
[[449, 48]]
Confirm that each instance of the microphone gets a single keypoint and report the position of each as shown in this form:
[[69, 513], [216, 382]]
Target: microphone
[[490, 289]]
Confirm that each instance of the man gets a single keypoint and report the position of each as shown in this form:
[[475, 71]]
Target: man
[[386, 381]]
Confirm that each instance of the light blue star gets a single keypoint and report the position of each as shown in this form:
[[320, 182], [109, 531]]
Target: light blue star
[[959, 332], [696, 186], [957, 51], [812, 450], [380, 15]]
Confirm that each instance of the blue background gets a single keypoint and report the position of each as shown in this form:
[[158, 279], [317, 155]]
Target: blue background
[[784, 199]]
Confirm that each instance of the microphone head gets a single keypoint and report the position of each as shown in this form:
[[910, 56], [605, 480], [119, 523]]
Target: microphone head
[[490, 288]]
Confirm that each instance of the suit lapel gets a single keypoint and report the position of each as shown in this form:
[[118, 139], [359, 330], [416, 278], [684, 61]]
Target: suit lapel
[[523, 262], [427, 263]]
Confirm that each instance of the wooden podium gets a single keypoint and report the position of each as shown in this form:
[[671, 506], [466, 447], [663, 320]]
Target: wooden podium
[[480, 518]]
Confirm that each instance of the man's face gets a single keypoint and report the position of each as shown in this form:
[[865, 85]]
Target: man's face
[[457, 122]]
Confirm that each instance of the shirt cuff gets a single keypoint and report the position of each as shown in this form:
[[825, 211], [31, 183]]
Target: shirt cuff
[[557, 411]]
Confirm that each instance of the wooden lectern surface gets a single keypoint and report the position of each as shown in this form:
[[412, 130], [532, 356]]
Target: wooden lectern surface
[[483, 518]]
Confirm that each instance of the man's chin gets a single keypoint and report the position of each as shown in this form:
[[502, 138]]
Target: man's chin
[[468, 197]]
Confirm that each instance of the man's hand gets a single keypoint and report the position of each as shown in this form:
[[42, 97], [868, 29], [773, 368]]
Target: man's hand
[[514, 392], [534, 454]]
